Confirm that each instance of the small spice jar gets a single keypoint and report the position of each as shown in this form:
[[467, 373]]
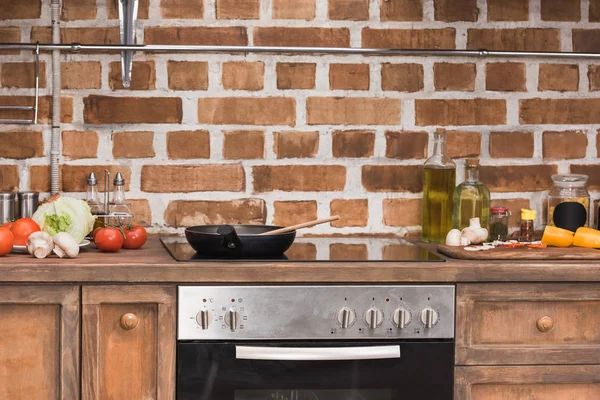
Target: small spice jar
[[499, 223], [526, 231], [569, 202]]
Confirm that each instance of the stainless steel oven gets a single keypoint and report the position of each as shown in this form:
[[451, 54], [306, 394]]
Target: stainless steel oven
[[315, 342]]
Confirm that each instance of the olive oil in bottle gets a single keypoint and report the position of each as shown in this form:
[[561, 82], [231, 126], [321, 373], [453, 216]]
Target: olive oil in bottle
[[439, 181], [471, 199]]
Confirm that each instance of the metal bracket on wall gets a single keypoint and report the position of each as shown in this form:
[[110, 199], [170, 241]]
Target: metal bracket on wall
[[33, 108], [128, 10]]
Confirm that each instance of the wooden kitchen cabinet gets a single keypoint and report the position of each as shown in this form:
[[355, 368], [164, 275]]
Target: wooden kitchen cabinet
[[541, 382], [528, 323], [39, 342], [128, 342]]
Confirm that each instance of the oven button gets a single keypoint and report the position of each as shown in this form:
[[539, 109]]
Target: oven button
[[401, 318], [346, 318], [232, 319], [373, 318], [204, 318], [429, 317]]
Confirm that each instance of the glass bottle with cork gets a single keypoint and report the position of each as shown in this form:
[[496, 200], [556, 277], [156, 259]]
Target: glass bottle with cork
[[471, 199], [439, 181]]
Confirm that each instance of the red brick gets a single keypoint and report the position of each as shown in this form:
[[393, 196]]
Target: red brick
[[561, 10], [302, 37], [296, 75], [354, 144], [87, 35], [511, 144], [559, 111], [142, 214], [517, 178], [241, 75], [131, 110], [593, 171], [594, 11], [79, 144], [348, 10], [508, 10], [517, 39], [133, 144], [78, 9], [21, 144], [299, 178], [514, 206], [239, 211], [81, 75], [247, 111], [238, 9], [112, 9], [598, 144], [450, 76], [409, 38], [456, 10], [559, 77], [196, 35], [243, 145], [296, 144], [9, 177], [402, 212], [193, 178], [353, 212], [21, 9], [349, 76], [74, 177], [506, 77], [302, 251], [44, 108], [564, 145], [39, 178], [586, 40], [294, 9], [143, 76], [182, 9], [187, 75], [352, 111], [392, 178], [461, 144], [347, 251], [594, 77], [402, 77], [288, 213], [22, 74], [401, 10], [460, 112], [10, 34], [188, 144], [406, 145]]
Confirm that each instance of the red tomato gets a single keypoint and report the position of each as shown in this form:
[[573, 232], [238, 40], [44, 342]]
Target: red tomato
[[96, 231], [22, 228], [6, 241], [135, 237], [7, 225], [109, 239]]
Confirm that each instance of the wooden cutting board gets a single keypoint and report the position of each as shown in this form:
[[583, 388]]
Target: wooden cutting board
[[521, 253]]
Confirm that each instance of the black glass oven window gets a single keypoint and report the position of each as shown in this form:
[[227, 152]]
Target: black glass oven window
[[304, 394]]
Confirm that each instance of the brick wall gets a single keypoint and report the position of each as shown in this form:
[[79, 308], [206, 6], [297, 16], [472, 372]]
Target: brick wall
[[283, 138]]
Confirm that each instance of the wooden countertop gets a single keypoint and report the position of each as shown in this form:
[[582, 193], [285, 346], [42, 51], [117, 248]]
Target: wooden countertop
[[153, 264]]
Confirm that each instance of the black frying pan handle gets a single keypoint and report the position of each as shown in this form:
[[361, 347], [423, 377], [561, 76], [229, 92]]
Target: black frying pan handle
[[231, 240]]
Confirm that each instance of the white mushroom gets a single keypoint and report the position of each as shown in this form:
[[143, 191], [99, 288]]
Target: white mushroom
[[474, 232], [40, 244], [65, 245], [454, 238]]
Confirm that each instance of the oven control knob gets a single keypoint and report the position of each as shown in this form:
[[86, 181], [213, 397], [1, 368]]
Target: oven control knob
[[429, 317], [346, 317], [373, 318], [232, 319], [401, 318], [204, 318]]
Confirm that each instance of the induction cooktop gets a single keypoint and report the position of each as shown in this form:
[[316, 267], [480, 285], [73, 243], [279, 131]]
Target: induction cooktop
[[321, 249]]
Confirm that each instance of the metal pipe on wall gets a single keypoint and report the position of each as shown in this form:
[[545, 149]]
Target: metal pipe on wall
[[55, 137]]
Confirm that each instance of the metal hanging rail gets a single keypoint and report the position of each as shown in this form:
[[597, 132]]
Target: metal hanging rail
[[34, 108], [162, 48]]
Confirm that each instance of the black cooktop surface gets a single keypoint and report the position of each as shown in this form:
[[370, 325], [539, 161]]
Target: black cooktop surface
[[322, 249]]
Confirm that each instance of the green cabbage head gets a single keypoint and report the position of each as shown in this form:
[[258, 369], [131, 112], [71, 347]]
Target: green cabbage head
[[64, 214]]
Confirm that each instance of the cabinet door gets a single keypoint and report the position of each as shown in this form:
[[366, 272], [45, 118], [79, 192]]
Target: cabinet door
[[39, 342], [128, 342], [572, 382]]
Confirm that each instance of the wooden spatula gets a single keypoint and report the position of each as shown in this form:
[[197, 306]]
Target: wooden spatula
[[302, 225]]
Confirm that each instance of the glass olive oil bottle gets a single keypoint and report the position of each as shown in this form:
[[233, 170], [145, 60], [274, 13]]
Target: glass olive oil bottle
[[439, 181], [471, 199]]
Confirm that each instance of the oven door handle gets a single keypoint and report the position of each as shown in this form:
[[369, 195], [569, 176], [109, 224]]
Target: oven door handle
[[316, 353]]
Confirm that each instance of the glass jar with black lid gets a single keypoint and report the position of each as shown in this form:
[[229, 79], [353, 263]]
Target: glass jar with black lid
[[569, 202]]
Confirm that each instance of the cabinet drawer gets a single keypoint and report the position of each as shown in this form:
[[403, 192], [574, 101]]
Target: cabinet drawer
[[528, 324]]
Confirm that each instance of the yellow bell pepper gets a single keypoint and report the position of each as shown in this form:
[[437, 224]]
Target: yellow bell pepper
[[558, 237], [587, 237]]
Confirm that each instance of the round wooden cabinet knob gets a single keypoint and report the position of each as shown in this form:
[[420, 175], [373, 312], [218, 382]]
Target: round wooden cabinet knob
[[545, 323], [129, 321]]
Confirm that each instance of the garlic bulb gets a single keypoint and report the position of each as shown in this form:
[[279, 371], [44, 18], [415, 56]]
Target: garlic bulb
[[65, 245], [40, 244], [474, 232], [454, 238]]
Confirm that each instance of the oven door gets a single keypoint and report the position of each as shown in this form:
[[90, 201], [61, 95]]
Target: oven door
[[382, 370]]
